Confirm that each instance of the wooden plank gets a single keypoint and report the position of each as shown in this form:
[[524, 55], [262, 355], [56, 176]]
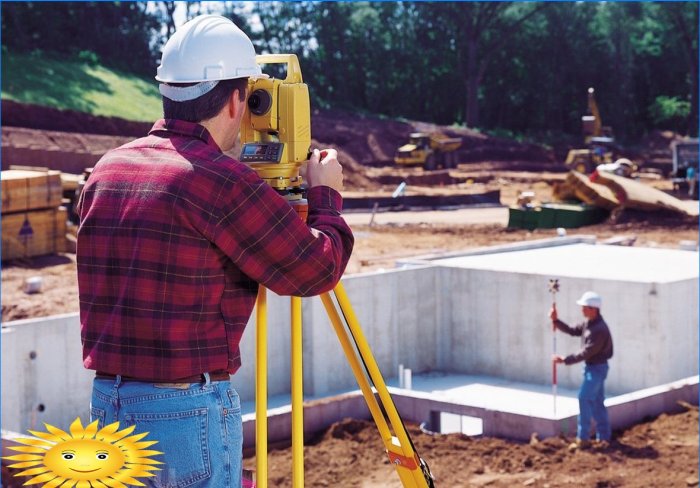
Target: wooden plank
[[579, 186], [24, 190], [633, 194], [34, 233]]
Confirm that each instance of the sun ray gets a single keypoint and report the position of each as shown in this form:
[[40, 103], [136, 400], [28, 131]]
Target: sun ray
[[144, 460], [34, 442], [144, 444], [33, 471], [46, 436], [28, 449], [135, 438], [58, 481], [25, 464], [61, 434], [23, 457], [42, 478], [112, 483], [107, 430], [91, 429], [143, 467], [126, 478], [76, 429], [113, 438]]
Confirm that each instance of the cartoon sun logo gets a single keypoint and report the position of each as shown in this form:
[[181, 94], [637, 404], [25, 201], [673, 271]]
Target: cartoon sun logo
[[85, 457]]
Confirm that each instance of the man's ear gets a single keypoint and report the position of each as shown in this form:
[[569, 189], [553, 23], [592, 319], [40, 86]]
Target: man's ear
[[235, 104]]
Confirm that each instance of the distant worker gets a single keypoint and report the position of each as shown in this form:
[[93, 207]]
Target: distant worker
[[174, 239], [691, 176], [597, 348]]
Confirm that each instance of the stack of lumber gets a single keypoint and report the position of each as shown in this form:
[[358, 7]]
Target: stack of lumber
[[633, 194], [33, 222], [610, 191], [577, 186]]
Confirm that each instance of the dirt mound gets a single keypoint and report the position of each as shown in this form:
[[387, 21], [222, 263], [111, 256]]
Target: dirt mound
[[360, 140], [46, 118], [662, 452], [373, 140]]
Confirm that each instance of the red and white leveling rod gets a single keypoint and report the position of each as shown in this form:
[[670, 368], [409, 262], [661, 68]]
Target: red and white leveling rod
[[553, 289]]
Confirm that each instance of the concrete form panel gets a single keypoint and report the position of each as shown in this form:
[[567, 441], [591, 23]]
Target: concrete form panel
[[480, 320], [43, 379], [499, 312]]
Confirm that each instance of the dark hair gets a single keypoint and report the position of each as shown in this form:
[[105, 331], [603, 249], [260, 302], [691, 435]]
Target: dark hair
[[206, 106]]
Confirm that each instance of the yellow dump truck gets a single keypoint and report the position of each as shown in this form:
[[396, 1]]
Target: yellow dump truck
[[431, 150]]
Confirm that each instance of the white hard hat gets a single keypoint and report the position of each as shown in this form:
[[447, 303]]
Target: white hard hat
[[590, 299], [624, 161], [205, 50]]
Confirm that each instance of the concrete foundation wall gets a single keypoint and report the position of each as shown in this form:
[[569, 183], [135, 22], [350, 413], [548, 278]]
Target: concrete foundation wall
[[43, 379], [498, 325], [397, 310], [427, 318]]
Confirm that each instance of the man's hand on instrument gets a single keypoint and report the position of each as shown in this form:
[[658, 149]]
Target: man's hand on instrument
[[323, 169]]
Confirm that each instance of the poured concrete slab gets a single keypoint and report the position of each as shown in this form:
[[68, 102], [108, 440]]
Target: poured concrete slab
[[639, 264], [506, 409], [480, 391]]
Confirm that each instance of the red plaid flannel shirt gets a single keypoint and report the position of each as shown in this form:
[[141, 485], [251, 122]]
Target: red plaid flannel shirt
[[174, 238]]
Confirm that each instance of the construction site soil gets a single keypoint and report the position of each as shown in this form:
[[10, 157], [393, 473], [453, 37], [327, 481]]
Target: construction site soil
[[662, 452]]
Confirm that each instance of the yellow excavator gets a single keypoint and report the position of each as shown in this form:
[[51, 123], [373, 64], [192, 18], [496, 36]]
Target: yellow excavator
[[599, 140], [429, 150]]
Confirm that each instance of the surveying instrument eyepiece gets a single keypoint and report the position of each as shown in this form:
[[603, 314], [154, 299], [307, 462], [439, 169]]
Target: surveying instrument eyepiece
[[276, 128]]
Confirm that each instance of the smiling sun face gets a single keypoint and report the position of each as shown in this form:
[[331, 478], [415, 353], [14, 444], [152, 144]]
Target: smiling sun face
[[86, 457]]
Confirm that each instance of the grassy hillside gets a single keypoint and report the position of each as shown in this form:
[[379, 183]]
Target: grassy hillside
[[44, 79]]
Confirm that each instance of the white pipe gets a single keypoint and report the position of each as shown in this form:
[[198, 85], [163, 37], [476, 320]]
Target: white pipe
[[407, 380]]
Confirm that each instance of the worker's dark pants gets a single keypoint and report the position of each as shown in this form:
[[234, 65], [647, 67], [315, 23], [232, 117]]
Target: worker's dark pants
[[591, 398]]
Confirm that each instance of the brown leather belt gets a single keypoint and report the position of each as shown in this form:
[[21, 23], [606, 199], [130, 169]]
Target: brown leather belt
[[199, 378]]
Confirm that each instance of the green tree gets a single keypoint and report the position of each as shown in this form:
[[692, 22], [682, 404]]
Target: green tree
[[119, 33]]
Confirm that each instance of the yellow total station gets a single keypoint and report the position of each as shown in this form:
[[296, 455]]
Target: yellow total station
[[276, 128]]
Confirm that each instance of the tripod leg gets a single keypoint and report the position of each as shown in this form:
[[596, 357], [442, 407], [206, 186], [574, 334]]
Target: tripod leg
[[412, 470], [261, 389], [297, 396], [365, 387]]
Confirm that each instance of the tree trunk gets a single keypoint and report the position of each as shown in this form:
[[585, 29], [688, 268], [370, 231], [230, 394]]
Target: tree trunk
[[472, 109]]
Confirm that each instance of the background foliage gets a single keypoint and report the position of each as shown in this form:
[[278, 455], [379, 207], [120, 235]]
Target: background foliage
[[514, 67]]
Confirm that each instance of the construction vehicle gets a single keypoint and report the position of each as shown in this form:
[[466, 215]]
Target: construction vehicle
[[431, 150], [684, 175], [599, 141]]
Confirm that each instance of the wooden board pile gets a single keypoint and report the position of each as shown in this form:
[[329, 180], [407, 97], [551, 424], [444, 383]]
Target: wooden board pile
[[609, 191], [33, 220]]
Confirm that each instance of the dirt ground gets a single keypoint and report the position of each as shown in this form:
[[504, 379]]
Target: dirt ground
[[660, 453], [378, 247]]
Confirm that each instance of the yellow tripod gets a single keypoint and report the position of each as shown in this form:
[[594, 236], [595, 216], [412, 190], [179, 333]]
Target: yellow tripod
[[412, 470]]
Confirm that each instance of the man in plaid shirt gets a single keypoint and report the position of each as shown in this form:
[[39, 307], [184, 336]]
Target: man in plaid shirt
[[174, 239]]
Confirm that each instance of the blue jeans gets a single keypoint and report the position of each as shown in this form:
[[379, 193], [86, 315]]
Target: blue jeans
[[591, 399], [197, 426]]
